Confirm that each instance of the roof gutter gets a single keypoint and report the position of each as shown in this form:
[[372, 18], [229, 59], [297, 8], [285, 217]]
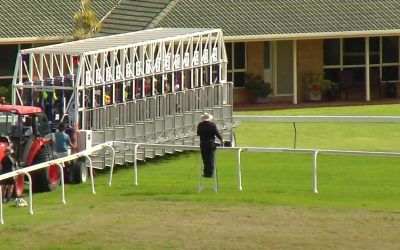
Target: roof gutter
[[16, 40], [320, 35]]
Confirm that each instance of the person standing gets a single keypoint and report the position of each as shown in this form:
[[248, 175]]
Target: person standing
[[62, 141], [207, 130], [7, 165]]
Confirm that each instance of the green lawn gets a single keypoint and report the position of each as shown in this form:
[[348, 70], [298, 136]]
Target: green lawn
[[357, 205]]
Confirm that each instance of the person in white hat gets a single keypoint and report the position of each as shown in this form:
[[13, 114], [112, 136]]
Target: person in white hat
[[207, 130]]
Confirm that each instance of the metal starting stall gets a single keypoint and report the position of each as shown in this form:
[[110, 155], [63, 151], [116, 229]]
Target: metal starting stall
[[149, 86]]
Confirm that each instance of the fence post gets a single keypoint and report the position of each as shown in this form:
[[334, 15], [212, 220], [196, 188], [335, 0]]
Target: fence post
[[91, 173], [315, 171], [62, 180], [112, 163], [239, 170], [30, 192], [1, 206], [135, 163]]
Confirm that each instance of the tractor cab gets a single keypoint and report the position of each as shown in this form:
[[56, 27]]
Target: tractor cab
[[24, 127], [27, 131]]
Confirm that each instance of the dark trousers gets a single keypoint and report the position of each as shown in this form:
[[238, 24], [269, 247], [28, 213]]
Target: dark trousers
[[208, 154]]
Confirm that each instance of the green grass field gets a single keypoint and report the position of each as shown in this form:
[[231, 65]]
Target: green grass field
[[357, 205]]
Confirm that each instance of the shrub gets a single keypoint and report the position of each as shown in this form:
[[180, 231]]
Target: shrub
[[258, 86]]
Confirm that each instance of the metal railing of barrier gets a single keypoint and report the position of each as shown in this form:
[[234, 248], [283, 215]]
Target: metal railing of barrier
[[60, 163]]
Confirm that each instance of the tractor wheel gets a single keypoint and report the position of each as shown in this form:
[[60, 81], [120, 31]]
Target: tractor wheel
[[80, 171], [45, 179]]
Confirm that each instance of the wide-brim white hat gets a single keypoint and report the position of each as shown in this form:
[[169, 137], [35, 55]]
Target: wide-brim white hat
[[207, 117]]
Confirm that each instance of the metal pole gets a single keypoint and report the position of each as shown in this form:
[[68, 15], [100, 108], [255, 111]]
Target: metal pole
[[91, 173], [30, 193], [295, 72], [1, 206], [295, 135], [315, 171], [112, 164], [239, 170], [62, 181], [367, 67], [17, 70], [135, 163]]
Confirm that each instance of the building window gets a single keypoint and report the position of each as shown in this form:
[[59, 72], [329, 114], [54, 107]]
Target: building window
[[236, 53], [383, 56], [390, 73], [8, 55], [7, 63], [390, 49], [332, 52], [374, 50], [353, 51], [267, 55]]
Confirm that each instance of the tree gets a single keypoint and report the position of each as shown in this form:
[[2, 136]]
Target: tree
[[86, 23]]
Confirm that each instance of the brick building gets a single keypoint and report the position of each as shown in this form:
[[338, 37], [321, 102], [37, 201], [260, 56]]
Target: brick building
[[355, 44]]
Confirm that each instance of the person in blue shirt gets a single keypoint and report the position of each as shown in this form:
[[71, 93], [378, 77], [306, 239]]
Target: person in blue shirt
[[62, 141]]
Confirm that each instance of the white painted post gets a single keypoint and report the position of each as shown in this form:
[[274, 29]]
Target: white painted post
[[112, 164], [239, 170], [367, 78], [30, 193], [315, 171], [62, 181], [295, 72], [1, 206], [91, 173], [135, 164]]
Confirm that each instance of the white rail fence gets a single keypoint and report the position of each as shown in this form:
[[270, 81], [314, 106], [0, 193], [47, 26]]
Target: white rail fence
[[116, 145], [315, 119], [60, 163], [239, 150]]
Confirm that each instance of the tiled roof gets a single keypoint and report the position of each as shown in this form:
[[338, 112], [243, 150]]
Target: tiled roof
[[267, 17], [132, 15], [43, 18]]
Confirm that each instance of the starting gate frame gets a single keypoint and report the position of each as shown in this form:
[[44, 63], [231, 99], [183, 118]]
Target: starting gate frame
[[145, 86]]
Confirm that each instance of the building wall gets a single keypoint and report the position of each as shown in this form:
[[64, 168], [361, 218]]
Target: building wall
[[255, 58], [310, 56]]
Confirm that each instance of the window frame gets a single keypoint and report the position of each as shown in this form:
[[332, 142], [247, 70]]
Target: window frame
[[233, 70]]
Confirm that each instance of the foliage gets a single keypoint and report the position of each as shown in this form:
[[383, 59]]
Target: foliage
[[257, 85], [6, 92], [86, 22], [315, 82]]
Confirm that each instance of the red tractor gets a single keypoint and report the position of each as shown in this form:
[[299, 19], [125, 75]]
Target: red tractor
[[27, 131]]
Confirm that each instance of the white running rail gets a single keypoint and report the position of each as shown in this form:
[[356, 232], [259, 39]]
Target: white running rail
[[239, 150], [314, 119], [60, 163], [317, 119]]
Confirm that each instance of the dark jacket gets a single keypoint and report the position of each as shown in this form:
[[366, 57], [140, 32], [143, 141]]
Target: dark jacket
[[208, 131]]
